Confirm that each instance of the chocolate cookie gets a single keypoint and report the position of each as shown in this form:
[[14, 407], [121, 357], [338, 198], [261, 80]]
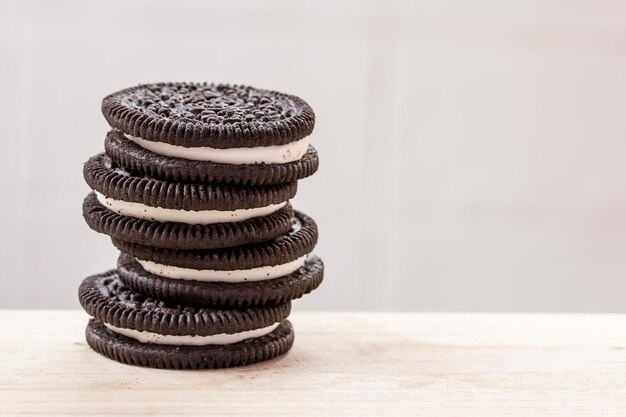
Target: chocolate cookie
[[240, 293], [131, 327], [285, 249], [178, 235], [134, 158], [130, 351], [115, 183], [109, 300], [211, 115]]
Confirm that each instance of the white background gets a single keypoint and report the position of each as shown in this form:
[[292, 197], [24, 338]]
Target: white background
[[473, 153]]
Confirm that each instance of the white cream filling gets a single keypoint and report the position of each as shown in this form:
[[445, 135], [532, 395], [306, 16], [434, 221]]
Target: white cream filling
[[160, 214], [191, 340], [273, 154], [210, 275]]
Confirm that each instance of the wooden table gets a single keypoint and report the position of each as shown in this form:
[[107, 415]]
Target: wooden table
[[342, 364]]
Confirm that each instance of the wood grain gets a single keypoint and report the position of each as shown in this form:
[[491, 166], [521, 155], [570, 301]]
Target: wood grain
[[341, 364]]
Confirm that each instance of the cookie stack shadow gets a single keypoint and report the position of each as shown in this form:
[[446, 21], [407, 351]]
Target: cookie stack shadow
[[193, 188]]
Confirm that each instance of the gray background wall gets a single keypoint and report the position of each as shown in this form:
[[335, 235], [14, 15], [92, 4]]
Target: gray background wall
[[472, 152]]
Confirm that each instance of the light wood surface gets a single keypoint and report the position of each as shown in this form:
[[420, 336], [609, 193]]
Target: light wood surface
[[342, 364]]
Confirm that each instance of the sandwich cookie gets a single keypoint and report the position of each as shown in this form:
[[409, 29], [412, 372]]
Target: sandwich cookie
[[215, 132], [270, 259], [127, 152], [268, 272], [227, 288], [133, 328], [182, 215]]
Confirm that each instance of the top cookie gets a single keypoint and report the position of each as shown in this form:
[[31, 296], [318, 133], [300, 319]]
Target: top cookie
[[211, 115]]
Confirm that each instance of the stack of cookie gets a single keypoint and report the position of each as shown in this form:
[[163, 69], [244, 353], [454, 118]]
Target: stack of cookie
[[194, 191]]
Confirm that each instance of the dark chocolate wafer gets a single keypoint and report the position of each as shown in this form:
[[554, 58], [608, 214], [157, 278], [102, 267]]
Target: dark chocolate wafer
[[107, 299], [214, 115], [104, 176]]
